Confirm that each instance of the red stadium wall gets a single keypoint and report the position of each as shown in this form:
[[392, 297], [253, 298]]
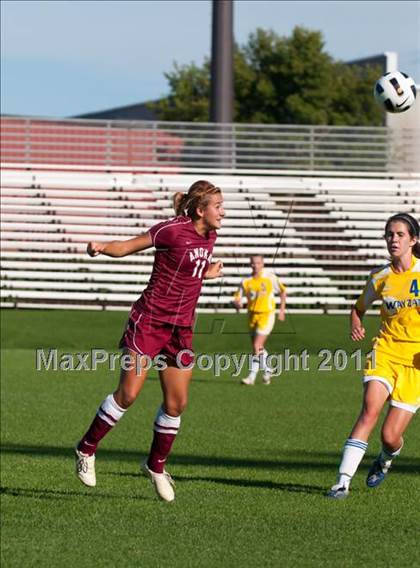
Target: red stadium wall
[[39, 141]]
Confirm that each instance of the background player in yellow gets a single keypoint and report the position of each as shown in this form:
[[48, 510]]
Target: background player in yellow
[[393, 373], [260, 291]]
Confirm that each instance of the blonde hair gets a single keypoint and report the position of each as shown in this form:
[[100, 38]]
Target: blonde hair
[[197, 196]]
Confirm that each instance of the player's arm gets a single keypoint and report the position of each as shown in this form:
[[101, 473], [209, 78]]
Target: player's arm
[[120, 248], [237, 298], [357, 331], [214, 270], [366, 298], [282, 311], [280, 288]]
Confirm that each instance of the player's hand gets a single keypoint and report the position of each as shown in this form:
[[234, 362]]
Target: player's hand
[[93, 249], [214, 270], [237, 304], [281, 316], [357, 333]]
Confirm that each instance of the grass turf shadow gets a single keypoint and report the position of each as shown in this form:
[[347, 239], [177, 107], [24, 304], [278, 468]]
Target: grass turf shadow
[[247, 483], [286, 459], [57, 494]]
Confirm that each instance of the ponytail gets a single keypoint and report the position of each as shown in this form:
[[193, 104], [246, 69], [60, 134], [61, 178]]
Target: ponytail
[[179, 199], [416, 249], [198, 196]]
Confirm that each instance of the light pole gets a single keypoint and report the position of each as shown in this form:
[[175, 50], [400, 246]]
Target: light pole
[[221, 98], [221, 103]]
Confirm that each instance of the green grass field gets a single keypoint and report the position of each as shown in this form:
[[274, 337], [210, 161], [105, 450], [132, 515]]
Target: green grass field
[[251, 464]]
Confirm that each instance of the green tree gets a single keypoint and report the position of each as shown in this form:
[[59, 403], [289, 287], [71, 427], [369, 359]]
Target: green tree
[[281, 80], [189, 94]]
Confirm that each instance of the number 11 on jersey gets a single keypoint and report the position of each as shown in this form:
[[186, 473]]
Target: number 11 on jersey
[[198, 270]]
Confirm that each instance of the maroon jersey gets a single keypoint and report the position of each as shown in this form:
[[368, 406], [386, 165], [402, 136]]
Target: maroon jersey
[[182, 258]]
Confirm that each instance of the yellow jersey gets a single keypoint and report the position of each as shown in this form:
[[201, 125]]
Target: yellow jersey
[[399, 335], [260, 292]]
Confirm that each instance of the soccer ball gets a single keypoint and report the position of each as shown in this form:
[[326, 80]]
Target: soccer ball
[[395, 91]]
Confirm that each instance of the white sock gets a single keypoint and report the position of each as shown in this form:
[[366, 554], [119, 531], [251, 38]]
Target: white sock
[[255, 366], [386, 457], [166, 424], [353, 453], [264, 365], [110, 411]]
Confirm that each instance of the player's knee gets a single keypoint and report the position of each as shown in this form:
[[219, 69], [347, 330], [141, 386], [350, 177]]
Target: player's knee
[[125, 398], [176, 407], [391, 438]]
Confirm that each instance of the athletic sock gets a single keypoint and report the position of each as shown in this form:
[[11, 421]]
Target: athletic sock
[[385, 457], [353, 453], [263, 366], [255, 366], [165, 430], [108, 414]]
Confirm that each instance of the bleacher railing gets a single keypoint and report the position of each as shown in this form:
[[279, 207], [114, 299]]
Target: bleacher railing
[[183, 145]]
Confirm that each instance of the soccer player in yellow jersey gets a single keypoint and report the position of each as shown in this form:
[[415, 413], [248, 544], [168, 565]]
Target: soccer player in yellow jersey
[[393, 372], [260, 290]]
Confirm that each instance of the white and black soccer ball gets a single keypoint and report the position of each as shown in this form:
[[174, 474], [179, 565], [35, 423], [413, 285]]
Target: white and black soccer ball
[[395, 91]]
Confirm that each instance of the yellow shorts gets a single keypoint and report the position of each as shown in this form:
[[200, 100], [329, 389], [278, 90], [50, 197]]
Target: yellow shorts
[[402, 381], [261, 322]]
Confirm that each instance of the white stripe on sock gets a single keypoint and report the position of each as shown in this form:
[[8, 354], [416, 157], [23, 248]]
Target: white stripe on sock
[[165, 423], [110, 411]]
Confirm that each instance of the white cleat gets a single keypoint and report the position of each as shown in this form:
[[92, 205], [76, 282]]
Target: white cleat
[[267, 379], [162, 482], [248, 381], [338, 492], [85, 468]]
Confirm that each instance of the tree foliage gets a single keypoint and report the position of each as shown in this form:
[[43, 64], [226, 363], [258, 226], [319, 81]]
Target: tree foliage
[[282, 80]]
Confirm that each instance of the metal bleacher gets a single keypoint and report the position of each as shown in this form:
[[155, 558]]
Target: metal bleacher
[[321, 234]]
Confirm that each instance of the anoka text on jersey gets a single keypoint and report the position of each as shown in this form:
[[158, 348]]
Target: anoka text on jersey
[[200, 252]]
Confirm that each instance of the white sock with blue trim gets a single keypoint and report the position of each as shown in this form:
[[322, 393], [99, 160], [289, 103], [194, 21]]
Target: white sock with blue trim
[[254, 366], [353, 453], [386, 457], [264, 366]]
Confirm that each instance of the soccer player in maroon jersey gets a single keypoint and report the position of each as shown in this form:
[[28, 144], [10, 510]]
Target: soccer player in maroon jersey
[[160, 323]]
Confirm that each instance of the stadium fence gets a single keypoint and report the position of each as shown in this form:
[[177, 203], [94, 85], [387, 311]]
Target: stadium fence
[[321, 235]]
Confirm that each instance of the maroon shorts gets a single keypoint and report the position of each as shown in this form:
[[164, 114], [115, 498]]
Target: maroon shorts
[[147, 336]]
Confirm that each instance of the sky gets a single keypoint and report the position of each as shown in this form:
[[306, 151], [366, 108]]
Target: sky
[[64, 58]]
